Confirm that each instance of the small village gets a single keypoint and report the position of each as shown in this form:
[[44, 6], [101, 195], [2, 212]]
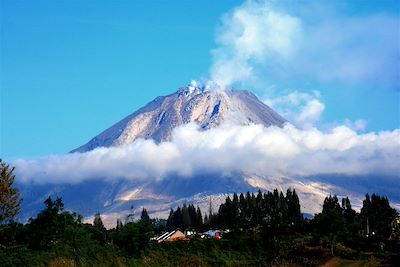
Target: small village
[[176, 235]]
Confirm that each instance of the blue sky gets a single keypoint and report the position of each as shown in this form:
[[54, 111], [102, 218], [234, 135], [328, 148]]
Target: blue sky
[[71, 69]]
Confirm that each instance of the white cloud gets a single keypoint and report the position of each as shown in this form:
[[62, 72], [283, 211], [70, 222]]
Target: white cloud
[[302, 109], [248, 36], [260, 40], [357, 125], [271, 151]]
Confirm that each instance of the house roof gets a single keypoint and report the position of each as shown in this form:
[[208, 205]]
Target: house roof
[[167, 235]]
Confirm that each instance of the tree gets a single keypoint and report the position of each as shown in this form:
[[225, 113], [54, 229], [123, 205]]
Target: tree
[[332, 203], [199, 219], [50, 224], [185, 217], [10, 201], [98, 222], [144, 216], [377, 216], [348, 213], [131, 216], [192, 216], [119, 224], [177, 218], [330, 222], [295, 217], [55, 206], [170, 220]]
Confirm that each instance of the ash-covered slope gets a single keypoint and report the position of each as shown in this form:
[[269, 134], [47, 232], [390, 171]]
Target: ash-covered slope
[[193, 103]]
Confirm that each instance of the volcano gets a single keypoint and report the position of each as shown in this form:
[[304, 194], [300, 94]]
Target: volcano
[[210, 108], [207, 106]]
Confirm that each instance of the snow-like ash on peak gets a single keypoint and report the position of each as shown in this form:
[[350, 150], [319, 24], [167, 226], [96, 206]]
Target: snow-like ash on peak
[[196, 87], [192, 89], [204, 104]]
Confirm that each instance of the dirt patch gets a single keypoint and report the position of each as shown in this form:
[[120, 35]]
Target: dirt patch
[[338, 262]]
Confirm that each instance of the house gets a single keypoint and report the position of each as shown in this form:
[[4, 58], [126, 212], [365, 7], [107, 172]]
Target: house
[[170, 236], [217, 234]]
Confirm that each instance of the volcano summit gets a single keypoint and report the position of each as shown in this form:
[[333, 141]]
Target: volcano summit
[[208, 107]]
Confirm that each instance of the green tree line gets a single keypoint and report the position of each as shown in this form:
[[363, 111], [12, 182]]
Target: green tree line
[[264, 226]]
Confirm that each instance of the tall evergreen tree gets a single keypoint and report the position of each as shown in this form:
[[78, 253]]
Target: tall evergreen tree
[[98, 222], [331, 203], [178, 222], [294, 213], [348, 213], [199, 220], [170, 220], [330, 222], [144, 216], [185, 217], [192, 216], [378, 216], [119, 224], [222, 215], [10, 201]]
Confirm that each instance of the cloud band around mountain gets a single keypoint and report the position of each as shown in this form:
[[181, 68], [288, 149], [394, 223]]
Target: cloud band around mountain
[[271, 151]]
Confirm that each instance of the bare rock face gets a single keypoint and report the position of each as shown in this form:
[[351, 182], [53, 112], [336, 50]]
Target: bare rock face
[[192, 103]]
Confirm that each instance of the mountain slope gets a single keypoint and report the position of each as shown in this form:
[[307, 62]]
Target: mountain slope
[[115, 197], [193, 103]]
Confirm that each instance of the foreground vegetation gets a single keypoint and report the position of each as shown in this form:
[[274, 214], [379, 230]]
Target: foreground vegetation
[[59, 238], [266, 229]]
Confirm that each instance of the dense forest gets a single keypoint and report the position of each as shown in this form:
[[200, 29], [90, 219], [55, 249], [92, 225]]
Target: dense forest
[[265, 229]]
